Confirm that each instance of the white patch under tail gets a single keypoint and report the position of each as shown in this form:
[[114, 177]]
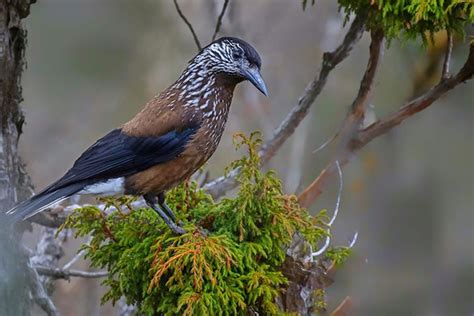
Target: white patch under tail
[[110, 187]]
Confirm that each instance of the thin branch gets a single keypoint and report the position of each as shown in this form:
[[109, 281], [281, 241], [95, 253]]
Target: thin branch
[[353, 120], [221, 185], [77, 256], [353, 240], [327, 142], [190, 26], [219, 20], [447, 57], [59, 217], [343, 309], [334, 215], [380, 127], [38, 292], [67, 274], [384, 125]]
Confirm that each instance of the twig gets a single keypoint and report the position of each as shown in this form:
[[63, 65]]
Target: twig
[[48, 252], [409, 109], [380, 127], [38, 292], [57, 219], [219, 20], [447, 57], [58, 273], [327, 142], [334, 215], [77, 256], [352, 122], [219, 186], [190, 26], [343, 309], [353, 240]]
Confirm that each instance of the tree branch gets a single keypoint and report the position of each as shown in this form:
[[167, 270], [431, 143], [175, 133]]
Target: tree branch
[[219, 20], [190, 26], [380, 127], [353, 120], [447, 57], [66, 274], [219, 186], [38, 292], [334, 216], [384, 125]]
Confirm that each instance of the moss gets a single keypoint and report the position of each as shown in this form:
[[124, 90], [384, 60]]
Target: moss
[[227, 262]]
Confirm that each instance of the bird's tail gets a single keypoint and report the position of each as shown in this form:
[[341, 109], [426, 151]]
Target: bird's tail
[[42, 201]]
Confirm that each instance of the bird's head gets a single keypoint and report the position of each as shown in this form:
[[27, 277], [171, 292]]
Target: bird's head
[[234, 59]]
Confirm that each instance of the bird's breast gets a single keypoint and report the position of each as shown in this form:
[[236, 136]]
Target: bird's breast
[[165, 176]]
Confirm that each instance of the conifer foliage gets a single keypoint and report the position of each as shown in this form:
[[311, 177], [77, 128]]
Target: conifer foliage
[[227, 262]]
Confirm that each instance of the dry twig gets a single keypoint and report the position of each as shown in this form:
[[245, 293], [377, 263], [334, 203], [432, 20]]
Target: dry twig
[[190, 26], [66, 274], [38, 292], [382, 126], [219, 20], [77, 256], [353, 120], [447, 57], [334, 215]]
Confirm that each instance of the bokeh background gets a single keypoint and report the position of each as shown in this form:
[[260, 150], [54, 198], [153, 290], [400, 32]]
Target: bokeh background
[[409, 194]]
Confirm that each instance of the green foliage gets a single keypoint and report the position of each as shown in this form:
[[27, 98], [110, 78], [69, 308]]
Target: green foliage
[[338, 255], [408, 19], [227, 262]]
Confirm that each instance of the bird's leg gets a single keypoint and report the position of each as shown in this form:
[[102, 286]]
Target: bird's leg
[[165, 207], [152, 201]]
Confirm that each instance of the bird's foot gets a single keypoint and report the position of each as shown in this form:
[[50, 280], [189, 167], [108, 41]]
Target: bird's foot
[[178, 230]]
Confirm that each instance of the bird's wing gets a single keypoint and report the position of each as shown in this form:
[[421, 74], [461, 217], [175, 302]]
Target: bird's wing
[[115, 155], [118, 154]]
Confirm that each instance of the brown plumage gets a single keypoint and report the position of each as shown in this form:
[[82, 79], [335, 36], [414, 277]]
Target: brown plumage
[[167, 141], [165, 113]]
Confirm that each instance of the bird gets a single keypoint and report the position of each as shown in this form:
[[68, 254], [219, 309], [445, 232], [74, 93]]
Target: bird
[[168, 140]]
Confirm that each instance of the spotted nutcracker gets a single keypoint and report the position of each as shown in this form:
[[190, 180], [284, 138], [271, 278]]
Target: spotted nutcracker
[[167, 141]]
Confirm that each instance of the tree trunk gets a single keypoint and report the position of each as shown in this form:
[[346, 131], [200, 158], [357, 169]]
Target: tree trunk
[[15, 185]]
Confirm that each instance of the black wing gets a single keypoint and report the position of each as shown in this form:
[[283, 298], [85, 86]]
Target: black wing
[[113, 156], [118, 155]]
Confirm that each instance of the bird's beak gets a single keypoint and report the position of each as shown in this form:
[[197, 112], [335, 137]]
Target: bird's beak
[[253, 75]]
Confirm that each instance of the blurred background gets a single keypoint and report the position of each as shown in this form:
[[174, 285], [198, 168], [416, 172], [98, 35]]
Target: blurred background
[[409, 194]]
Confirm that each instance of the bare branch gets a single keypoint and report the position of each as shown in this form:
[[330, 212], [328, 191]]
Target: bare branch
[[447, 56], [380, 127], [334, 215], [219, 20], [353, 240], [53, 218], [77, 256], [67, 274], [219, 186], [345, 308], [352, 122], [327, 142], [409, 109], [38, 292], [330, 61], [190, 26]]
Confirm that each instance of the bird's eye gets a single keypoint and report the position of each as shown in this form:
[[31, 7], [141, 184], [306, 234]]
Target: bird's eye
[[237, 55]]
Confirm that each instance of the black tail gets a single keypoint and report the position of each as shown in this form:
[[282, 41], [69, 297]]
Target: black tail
[[42, 201]]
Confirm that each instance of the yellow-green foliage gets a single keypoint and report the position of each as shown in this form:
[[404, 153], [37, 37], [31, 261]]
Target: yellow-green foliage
[[411, 18], [228, 260]]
